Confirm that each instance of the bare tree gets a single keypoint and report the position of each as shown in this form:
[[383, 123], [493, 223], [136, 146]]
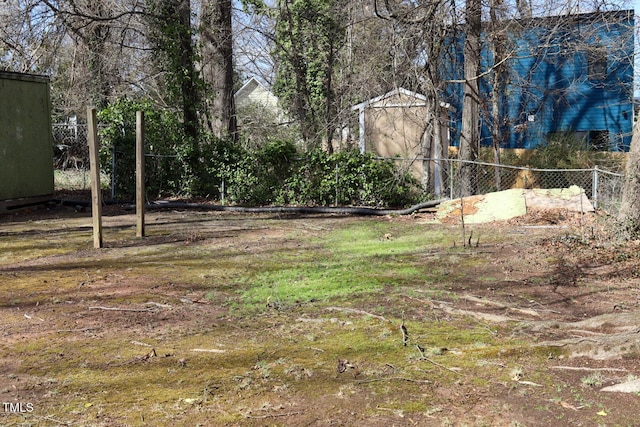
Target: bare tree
[[426, 27], [29, 37], [499, 39], [92, 51]]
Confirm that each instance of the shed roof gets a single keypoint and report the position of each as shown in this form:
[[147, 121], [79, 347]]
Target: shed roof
[[12, 75], [398, 92]]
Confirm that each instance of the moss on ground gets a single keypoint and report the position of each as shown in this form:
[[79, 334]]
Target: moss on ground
[[222, 320]]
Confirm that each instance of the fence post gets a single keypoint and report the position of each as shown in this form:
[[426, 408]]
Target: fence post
[[94, 162], [113, 171], [140, 199], [336, 183], [594, 191], [451, 171]]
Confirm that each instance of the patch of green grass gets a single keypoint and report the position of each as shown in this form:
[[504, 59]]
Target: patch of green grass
[[303, 284], [592, 380], [360, 258], [371, 237]]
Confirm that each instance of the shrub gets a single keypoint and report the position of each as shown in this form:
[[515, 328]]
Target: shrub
[[348, 178], [258, 175], [277, 173]]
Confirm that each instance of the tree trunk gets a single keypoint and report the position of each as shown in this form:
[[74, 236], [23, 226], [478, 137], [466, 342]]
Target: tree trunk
[[99, 87], [95, 37], [629, 214], [429, 137], [217, 67], [330, 112], [188, 82], [301, 99], [499, 133], [470, 135]]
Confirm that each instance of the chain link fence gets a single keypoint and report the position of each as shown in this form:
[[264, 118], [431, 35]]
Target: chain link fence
[[602, 187], [70, 157], [442, 178]]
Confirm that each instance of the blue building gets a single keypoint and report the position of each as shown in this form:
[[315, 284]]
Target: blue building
[[566, 77]]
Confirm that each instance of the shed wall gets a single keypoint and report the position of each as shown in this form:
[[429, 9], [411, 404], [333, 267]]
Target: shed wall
[[26, 152], [396, 131]]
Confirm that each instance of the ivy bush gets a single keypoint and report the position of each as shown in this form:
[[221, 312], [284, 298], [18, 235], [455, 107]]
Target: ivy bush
[[278, 173], [348, 178]]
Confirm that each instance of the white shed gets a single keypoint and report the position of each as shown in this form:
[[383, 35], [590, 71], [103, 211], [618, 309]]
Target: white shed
[[394, 124]]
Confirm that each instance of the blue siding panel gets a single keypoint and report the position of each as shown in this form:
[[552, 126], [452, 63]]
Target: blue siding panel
[[549, 89]]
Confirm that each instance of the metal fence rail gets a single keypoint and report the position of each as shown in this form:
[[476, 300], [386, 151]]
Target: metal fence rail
[[602, 187]]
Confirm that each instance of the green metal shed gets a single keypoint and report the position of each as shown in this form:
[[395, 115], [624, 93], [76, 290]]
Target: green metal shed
[[26, 151]]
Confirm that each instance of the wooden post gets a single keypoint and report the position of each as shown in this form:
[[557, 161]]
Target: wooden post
[[94, 162], [140, 199]]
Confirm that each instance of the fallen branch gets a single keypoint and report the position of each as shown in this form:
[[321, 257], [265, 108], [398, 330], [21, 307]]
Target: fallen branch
[[494, 318], [567, 405], [31, 317], [545, 307], [584, 332], [194, 301], [332, 320], [392, 379], [149, 355], [60, 331], [157, 304], [440, 365], [357, 311], [261, 417], [530, 383], [483, 301], [140, 310], [584, 368], [395, 411], [424, 301], [525, 311], [59, 422], [142, 358], [208, 350], [567, 342]]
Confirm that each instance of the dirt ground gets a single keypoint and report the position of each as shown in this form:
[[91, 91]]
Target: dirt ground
[[554, 282]]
